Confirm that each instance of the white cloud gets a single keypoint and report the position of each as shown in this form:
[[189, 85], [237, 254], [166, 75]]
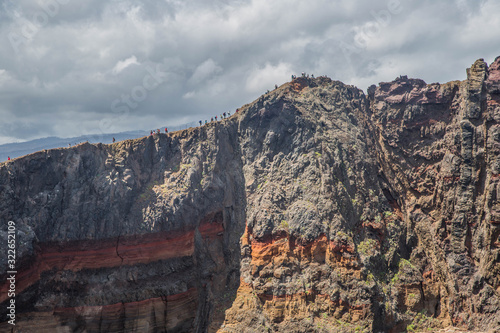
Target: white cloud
[[483, 27], [263, 78], [189, 94], [121, 65], [204, 71], [9, 139], [5, 78]]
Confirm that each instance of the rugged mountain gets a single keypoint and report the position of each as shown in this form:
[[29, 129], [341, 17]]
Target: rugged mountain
[[316, 208]]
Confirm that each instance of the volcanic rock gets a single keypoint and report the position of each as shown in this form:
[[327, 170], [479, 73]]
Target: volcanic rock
[[315, 208]]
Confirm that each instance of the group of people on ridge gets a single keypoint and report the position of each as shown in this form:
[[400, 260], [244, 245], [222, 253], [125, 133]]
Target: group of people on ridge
[[157, 131], [223, 115], [305, 75]]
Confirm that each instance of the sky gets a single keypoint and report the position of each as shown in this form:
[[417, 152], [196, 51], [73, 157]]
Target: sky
[[78, 67]]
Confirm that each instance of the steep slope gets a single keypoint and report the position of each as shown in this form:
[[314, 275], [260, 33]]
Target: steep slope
[[315, 208], [310, 180], [139, 235]]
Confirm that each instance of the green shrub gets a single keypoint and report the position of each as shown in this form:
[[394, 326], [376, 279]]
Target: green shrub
[[284, 225], [367, 247]]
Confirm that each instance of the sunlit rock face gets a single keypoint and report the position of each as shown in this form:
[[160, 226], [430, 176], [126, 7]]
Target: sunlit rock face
[[316, 208]]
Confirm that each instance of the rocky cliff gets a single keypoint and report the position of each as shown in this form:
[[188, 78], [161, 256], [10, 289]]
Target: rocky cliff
[[316, 208]]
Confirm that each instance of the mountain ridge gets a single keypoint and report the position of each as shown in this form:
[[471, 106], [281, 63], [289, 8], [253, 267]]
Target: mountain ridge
[[315, 208]]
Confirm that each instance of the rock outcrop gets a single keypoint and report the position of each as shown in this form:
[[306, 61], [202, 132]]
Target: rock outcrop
[[316, 208]]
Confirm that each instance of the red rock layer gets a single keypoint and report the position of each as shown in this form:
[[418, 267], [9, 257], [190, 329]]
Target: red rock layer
[[320, 250], [155, 314], [299, 84], [130, 250], [277, 258], [493, 81], [410, 91]]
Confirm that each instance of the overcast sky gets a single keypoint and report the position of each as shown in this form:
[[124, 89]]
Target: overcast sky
[[74, 67]]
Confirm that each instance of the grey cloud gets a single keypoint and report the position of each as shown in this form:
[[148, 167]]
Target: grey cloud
[[216, 55]]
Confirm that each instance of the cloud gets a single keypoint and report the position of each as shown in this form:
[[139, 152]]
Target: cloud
[[260, 79], [204, 71], [121, 65], [63, 76]]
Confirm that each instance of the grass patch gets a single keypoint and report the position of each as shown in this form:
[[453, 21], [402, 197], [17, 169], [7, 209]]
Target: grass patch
[[422, 322], [284, 225], [367, 247]]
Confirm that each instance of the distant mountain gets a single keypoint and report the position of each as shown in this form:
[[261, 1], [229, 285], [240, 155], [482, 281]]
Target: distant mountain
[[18, 149], [24, 148]]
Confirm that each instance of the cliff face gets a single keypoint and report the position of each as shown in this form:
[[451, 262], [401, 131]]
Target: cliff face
[[438, 149], [137, 236], [316, 208]]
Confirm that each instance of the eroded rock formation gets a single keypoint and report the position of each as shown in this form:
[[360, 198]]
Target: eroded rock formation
[[316, 208]]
